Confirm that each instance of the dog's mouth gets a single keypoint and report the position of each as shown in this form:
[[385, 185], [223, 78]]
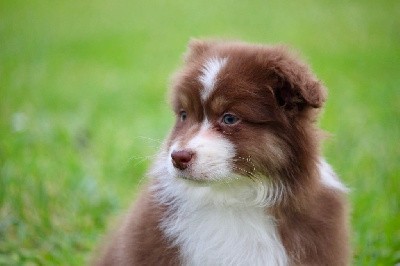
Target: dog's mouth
[[188, 175], [197, 169], [195, 180], [204, 178]]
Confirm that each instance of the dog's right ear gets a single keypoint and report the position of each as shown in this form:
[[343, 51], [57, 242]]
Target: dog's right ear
[[196, 48], [295, 85]]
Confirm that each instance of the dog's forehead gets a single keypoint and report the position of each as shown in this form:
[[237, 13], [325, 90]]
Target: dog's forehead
[[232, 77], [210, 71], [215, 82], [222, 70]]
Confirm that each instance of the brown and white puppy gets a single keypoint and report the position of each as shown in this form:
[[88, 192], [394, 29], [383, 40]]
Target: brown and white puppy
[[240, 180]]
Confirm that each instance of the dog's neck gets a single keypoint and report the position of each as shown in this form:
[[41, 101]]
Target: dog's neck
[[220, 224]]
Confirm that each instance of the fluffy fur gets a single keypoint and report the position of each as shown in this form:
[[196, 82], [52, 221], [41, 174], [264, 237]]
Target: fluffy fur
[[240, 179]]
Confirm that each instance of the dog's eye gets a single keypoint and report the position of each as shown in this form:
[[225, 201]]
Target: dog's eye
[[183, 115], [229, 119]]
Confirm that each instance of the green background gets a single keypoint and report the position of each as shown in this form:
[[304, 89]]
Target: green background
[[83, 109]]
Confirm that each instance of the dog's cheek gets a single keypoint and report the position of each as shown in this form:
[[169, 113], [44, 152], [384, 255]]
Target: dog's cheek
[[261, 152], [277, 151]]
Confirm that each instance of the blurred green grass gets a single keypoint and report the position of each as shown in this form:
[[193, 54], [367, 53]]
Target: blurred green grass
[[83, 109]]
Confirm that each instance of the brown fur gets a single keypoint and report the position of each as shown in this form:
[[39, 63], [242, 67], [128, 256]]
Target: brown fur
[[316, 234], [278, 99], [139, 241]]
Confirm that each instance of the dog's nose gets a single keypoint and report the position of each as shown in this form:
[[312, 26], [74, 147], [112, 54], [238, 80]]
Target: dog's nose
[[181, 159]]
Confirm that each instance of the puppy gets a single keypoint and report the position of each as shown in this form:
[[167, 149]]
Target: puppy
[[240, 179]]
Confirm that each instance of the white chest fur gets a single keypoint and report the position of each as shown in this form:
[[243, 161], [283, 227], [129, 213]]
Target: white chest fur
[[212, 228]]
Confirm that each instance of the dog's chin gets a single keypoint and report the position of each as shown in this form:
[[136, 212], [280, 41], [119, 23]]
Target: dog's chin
[[203, 181], [203, 178]]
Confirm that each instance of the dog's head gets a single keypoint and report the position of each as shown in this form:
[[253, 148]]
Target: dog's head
[[243, 111]]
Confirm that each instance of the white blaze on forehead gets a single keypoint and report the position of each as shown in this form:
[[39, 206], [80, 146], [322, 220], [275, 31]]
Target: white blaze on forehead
[[210, 71]]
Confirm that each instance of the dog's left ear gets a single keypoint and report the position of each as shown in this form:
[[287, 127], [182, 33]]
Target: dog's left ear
[[295, 86], [197, 48]]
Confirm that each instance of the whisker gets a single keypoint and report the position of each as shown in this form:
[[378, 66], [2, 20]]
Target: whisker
[[141, 159], [142, 179], [147, 138], [248, 173], [248, 160]]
